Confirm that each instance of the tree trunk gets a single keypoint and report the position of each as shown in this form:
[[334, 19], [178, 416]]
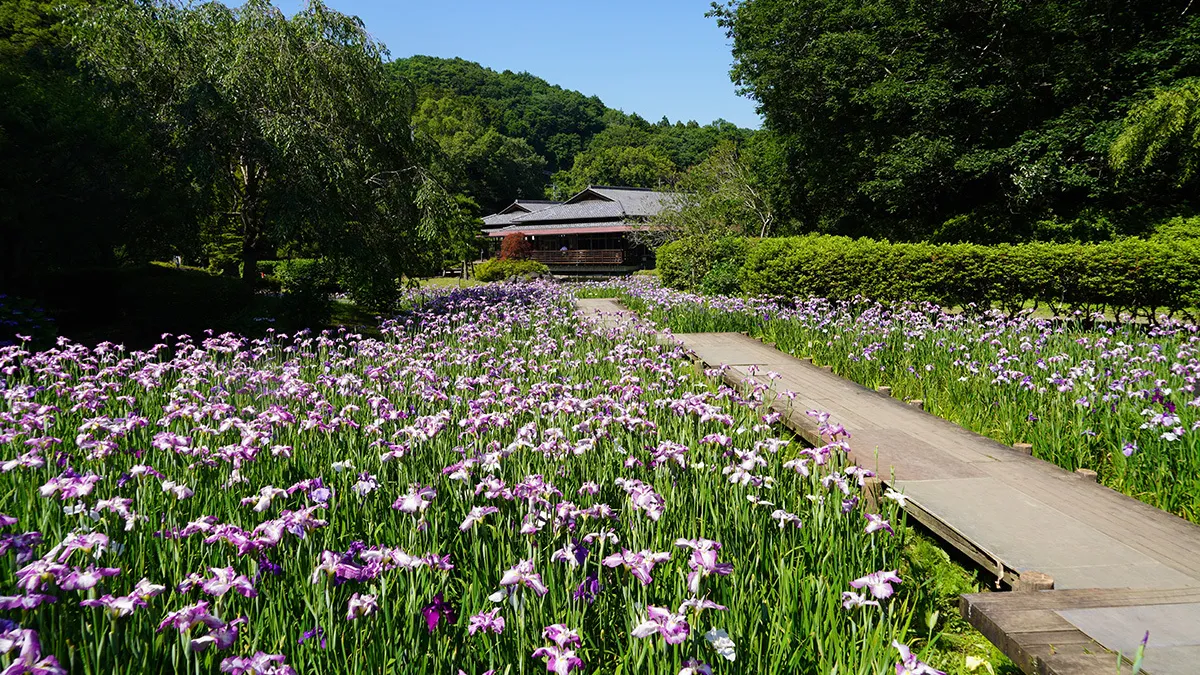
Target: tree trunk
[[251, 227], [249, 261]]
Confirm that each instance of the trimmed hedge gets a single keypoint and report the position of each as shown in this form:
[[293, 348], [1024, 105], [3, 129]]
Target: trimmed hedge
[[687, 263], [1127, 275], [500, 269]]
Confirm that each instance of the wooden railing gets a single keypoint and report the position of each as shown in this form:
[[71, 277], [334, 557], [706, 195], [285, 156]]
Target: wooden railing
[[579, 257]]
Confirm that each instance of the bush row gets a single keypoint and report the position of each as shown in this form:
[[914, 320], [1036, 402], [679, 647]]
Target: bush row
[[499, 269], [706, 265], [1127, 275]]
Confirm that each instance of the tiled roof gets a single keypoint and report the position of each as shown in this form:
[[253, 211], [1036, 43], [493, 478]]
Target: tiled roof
[[600, 202], [635, 201], [518, 208], [586, 227]]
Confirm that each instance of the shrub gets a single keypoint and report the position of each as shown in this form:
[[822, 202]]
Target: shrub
[[501, 269], [1127, 275], [684, 263], [306, 285], [514, 247], [1177, 228], [722, 279], [268, 267]]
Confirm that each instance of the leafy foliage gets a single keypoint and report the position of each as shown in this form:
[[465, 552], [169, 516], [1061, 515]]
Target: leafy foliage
[[490, 167], [556, 122], [1129, 275], [1166, 125], [579, 139], [514, 247], [687, 262], [289, 125], [959, 120], [623, 165], [501, 269], [732, 192], [84, 178]]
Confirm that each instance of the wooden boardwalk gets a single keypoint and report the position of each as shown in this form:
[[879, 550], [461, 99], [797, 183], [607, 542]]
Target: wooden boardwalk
[[1012, 514]]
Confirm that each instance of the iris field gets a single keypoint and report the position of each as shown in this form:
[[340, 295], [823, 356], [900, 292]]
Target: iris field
[[1115, 396], [493, 486]]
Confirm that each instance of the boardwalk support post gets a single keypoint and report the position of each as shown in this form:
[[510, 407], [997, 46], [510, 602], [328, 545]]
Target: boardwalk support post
[[872, 492], [886, 391], [917, 403], [1024, 448], [1034, 581], [1087, 474]]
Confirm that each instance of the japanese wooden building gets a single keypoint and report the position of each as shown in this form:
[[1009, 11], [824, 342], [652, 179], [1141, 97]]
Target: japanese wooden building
[[588, 233]]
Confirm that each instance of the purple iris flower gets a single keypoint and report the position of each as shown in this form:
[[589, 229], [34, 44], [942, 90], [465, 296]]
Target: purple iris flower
[[704, 563], [875, 523], [560, 658], [522, 574], [561, 635], [259, 664], [559, 661], [673, 627], [640, 564], [83, 580], [265, 566], [317, 632], [910, 665], [588, 589], [362, 605], [29, 659], [879, 583], [436, 611], [486, 621], [193, 615], [24, 602]]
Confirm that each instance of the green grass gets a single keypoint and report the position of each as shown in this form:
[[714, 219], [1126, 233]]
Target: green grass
[[448, 282], [940, 581]]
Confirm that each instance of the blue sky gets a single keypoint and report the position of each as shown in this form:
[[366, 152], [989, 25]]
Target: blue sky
[[653, 57]]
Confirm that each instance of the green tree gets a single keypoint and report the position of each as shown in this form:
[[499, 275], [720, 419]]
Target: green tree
[[556, 122], [958, 119], [727, 194], [491, 168], [1164, 127], [289, 125], [620, 165], [84, 178]]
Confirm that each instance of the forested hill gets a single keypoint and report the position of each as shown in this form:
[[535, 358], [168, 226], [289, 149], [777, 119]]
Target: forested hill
[[515, 134]]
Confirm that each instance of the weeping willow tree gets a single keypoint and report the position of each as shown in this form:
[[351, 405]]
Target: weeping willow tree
[[1161, 130], [290, 125]]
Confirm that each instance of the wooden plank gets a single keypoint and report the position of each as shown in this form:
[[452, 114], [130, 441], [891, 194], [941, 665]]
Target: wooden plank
[[1028, 620], [1086, 663], [1039, 641], [948, 533], [1081, 598]]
